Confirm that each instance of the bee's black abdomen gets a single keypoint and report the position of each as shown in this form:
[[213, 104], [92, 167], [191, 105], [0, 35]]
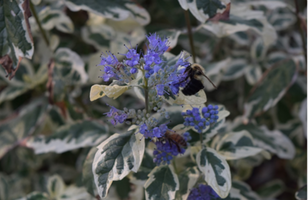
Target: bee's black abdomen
[[192, 87]]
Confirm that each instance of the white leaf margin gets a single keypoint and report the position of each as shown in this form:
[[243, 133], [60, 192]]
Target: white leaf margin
[[209, 174]]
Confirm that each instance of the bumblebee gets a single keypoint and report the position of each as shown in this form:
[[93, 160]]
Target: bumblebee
[[175, 138], [195, 74]]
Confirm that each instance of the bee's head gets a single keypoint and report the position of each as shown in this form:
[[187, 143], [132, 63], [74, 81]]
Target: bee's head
[[199, 72]]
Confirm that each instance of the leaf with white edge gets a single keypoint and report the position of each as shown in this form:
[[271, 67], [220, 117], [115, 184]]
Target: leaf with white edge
[[99, 91], [241, 191], [162, 183], [187, 180], [282, 19], [253, 73], [69, 67], [69, 137], [115, 158], [237, 145], [215, 72], [98, 35], [171, 34], [293, 129], [204, 9], [55, 186], [235, 69], [36, 196], [242, 18], [197, 99], [271, 88], [116, 10], [301, 194], [16, 39], [272, 141], [274, 58], [216, 171], [23, 125], [51, 18], [258, 50], [72, 192], [302, 114], [25, 79], [271, 189]]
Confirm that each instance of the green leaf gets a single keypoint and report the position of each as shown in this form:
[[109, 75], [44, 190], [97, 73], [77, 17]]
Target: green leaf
[[69, 137], [272, 141], [274, 85], [52, 18], [116, 10], [301, 194], [187, 180], [271, 189], [115, 158], [36, 196], [236, 145], [204, 9], [216, 171], [19, 128], [162, 183], [16, 39]]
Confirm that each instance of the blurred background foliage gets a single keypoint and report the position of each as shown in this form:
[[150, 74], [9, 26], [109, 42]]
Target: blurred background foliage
[[48, 125]]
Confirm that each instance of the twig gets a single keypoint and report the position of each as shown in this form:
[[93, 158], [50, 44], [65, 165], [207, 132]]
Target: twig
[[191, 41], [39, 23]]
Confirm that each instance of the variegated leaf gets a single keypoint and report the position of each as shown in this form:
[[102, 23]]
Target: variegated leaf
[[187, 180], [23, 125], [301, 194], [69, 137], [55, 186], [36, 196], [87, 175], [272, 141], [237, 145], [235, 69], [204, 9], [171, 34], [114, 91], [253, 73], [52, 18], [242, 191], [115, 158], [216, 171], [271, 89], [181, 99], [271, 189], [116, 10], [16, 39], [162, 183]]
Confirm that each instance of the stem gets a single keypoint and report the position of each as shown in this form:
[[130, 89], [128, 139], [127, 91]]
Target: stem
[[191, 41], [300, 29], [201, 139], [146, 92], [39, 23]]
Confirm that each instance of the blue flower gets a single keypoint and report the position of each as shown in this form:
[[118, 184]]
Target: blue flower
[[155, 132], [117, 116], [201, 120], [203, 192]]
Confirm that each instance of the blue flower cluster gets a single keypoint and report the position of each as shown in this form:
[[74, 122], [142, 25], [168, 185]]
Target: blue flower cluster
[[166, 149], [201, 120], [161, 77], [203, 192], [155, 132], [117, 116]]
